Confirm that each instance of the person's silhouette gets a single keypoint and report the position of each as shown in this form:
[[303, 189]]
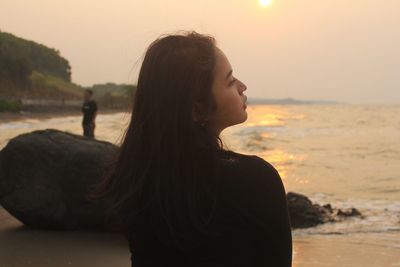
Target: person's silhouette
[[89, 110]]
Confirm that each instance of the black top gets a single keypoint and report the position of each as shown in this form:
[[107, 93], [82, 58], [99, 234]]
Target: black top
[[89, 108], [252, 214]]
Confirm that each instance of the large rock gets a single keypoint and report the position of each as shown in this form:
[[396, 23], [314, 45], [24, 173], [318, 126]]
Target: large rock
[[45, 175], [304, 213]]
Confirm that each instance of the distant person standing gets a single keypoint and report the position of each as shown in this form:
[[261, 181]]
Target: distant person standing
[[89, 110]]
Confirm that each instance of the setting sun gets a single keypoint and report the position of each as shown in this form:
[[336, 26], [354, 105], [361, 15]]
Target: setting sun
[[265, 3]]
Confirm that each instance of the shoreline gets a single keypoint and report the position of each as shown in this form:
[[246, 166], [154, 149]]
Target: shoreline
[[6, 117], [22, 246]]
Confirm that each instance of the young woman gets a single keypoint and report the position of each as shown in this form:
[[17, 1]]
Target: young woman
[[182, 198]]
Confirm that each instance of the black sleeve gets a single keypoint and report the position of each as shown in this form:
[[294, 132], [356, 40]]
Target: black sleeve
[[265, 209]]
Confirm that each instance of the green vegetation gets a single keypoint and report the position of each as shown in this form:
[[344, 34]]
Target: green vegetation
[[49, 86], [20, 57], [113, 95], [32, 70], [10, 105]]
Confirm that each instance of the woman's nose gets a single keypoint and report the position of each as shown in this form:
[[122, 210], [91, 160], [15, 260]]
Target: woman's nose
[[243, 87]]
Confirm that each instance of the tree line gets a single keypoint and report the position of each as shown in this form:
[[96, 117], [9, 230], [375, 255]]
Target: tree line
[[20, 57]]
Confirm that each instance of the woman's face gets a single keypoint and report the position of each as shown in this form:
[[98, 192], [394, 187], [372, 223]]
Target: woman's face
[[228, 94]]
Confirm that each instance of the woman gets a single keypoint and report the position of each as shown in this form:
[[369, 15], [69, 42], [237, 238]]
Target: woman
[[182, 198]]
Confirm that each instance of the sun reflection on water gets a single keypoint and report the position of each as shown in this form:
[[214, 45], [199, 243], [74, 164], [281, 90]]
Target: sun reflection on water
[[262, 135]]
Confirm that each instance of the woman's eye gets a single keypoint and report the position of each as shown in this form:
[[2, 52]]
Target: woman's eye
[[232, 82]]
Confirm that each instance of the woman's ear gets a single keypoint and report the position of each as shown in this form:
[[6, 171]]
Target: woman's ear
[[199, 113]]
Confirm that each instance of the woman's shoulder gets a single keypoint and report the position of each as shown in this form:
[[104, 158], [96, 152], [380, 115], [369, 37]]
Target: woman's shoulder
[[252, 184], [250, 173], [247, 163]]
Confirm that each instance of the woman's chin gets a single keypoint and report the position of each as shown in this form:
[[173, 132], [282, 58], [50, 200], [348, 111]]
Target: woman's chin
[[244, 116]]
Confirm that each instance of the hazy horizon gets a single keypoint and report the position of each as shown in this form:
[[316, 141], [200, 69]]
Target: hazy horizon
[[346, 51]]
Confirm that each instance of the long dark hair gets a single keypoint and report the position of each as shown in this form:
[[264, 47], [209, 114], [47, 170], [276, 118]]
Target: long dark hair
[[167, 163]]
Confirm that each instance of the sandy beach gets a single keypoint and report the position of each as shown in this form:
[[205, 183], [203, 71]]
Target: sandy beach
[[21, 246]]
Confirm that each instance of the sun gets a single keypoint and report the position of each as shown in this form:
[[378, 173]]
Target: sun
[[265, 3]]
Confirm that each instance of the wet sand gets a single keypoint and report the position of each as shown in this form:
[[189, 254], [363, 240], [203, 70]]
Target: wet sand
[[357, 250], [21, 246]]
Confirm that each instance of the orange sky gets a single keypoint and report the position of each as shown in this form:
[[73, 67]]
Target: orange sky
[[308, 49]]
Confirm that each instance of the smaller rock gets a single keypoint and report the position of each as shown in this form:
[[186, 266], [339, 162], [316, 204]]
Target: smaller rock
[[328, 207], [348, 212], [303, 213]]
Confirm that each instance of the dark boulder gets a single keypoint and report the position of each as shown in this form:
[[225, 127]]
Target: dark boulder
[[304, 213], [45, 175]]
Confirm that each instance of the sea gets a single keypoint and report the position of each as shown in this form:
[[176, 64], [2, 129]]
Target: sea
[[347, 155]]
